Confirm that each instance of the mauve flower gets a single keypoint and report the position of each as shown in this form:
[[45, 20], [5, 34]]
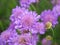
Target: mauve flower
[[11, 26], [47, 41], [28, 19], [16, 13], [26, 3], [56, 10], [25, 19], [39, 27], [24, 39], [2, 42], [7, 35], [55, 2], [49, 16]]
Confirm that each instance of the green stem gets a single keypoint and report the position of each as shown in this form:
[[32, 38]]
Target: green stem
[[33, 7], [52, 31]]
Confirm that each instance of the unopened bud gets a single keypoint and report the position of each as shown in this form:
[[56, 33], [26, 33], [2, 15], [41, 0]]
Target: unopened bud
[[48, 37], [48, 25]]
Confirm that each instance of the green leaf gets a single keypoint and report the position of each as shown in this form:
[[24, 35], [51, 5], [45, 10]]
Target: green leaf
[[6, 7]]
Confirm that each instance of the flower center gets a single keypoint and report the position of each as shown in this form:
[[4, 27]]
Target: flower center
[[27, 20], [25, 31], [22, 40]]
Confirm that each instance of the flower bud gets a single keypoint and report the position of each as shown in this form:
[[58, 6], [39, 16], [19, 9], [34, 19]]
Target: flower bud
[[48, 25]]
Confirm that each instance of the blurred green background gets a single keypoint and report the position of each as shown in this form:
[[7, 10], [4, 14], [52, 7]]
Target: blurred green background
[[6, 7]]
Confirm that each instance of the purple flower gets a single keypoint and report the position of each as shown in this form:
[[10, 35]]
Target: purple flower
[[56, 10], [7, 35], [28, 19], [47, 41], [11, 26], [25, 19], [39, 27], [16, 13], [24, 39], [2, 42], [26, 3], [55, 2], [49, 16]]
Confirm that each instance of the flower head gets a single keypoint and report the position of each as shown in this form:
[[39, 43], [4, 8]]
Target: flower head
[[23, 18], [26, 3], [28, 19], [24, 39], [16, 13], [49, 16], [56, 10], [47, 40], [55, 2], [7, 35]]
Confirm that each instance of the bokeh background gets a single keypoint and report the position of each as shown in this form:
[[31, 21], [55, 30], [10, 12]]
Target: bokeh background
[[6, 7]]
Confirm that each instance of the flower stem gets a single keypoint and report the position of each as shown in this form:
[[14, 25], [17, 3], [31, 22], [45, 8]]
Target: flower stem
[[33, 7], [52, 31]]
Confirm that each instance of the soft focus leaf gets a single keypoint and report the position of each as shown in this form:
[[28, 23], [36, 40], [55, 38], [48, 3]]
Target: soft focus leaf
[[5, 11]]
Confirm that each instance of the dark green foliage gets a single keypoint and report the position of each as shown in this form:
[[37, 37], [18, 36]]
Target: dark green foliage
[[5, 12]]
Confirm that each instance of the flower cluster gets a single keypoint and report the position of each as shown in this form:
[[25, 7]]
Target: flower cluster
[[26, 25]]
